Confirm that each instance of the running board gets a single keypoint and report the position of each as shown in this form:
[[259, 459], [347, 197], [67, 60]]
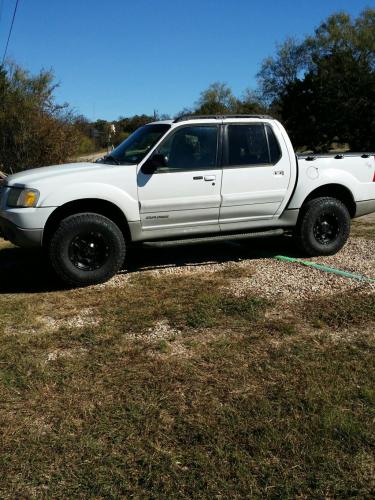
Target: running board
[[213, 239]]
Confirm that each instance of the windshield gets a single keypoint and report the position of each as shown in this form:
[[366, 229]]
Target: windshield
[[137, 145]]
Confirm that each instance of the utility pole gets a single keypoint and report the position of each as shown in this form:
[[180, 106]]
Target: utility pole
[[111, 133]]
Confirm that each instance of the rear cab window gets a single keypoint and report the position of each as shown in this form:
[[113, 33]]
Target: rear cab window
[[251, 144]]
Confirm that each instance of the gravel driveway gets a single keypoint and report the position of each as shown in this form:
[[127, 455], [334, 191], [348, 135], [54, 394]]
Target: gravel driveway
[[249, 266], [256, 271]]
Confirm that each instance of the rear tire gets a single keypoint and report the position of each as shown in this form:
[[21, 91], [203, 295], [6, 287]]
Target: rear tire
[[323, 227], [86, 249]]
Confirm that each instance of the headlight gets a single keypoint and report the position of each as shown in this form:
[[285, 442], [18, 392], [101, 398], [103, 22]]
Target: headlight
[[22, 198]]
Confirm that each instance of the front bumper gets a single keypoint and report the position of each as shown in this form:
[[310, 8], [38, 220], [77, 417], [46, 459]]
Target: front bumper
[[24, 226], [19, 236]]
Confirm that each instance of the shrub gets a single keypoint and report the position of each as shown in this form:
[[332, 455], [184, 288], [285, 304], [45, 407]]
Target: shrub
[[34, 130]]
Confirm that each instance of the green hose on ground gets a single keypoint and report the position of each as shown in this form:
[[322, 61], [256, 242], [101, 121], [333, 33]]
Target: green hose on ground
[[327, 269]]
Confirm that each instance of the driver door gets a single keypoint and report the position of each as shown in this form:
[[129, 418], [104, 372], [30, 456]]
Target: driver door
[[183, 195]]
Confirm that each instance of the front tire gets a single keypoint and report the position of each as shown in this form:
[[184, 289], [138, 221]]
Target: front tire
[[323, 227], [86, 249]]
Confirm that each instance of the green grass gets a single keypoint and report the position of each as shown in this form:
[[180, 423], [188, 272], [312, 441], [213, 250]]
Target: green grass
[[232, 400]]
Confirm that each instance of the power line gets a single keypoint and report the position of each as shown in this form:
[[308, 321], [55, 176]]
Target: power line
[[10, 31]]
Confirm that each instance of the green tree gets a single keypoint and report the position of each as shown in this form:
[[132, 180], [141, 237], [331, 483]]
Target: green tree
[[327, 107], [83, 127], [341, 34], [250, 103], [278, 72], [324, 87], [216, 99]]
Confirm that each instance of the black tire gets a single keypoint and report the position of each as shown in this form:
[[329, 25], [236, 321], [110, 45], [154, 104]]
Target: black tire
[[86, 249], [323, 227]]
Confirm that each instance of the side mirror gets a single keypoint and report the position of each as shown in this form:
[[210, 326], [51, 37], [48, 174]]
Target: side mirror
[[152, 164]]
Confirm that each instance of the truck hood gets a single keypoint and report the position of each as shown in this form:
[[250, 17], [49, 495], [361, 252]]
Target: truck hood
[[31, 178]]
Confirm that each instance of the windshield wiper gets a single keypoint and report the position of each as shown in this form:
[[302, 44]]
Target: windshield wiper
[[111, 157]]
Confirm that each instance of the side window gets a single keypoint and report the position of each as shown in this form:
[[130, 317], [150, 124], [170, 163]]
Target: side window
[[191, 148], [275, 151], [247, 145]]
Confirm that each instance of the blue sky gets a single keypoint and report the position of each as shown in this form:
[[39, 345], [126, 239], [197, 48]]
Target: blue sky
[[116, 57]]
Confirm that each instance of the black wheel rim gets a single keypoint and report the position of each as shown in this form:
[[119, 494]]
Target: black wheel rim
[[326, 228], [88, 251]]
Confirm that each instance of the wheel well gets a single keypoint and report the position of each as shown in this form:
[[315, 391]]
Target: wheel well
[[101, 207], [334, 191]]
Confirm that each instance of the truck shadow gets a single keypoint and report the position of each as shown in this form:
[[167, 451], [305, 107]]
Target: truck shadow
[[28, 271], [25, 271]]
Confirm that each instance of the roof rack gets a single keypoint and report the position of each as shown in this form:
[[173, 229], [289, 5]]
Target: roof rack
[[183, 118]]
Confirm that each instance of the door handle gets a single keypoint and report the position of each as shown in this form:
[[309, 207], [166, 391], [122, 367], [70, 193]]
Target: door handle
[[198, 178], [210, 177]]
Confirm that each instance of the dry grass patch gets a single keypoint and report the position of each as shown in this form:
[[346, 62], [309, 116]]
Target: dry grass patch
[[171, 387], [240, 415], [361, 229], [4, 244], [341, 311]]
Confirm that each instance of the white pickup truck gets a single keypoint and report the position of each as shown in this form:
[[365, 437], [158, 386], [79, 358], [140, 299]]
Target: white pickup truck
[[196, 176]]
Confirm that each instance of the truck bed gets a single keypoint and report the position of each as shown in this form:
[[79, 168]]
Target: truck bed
[[335, 156]]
